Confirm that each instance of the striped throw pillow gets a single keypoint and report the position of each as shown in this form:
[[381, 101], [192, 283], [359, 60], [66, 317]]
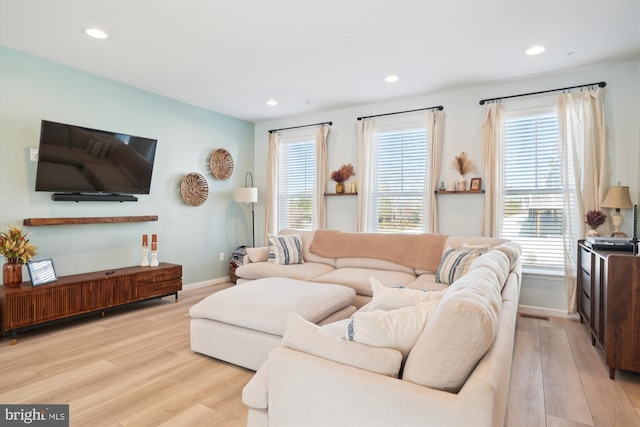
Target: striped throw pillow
[[285, 249], [454, 265]]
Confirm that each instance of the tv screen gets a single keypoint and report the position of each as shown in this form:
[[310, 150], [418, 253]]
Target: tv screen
[[76, 159]]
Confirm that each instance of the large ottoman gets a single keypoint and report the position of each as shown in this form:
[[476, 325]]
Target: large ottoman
[[242, 324]]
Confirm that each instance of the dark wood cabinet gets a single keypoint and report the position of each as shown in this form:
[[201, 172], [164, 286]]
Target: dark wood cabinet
[[83, 293], [608, 300]]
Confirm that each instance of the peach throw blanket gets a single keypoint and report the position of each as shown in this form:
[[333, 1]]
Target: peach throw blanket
[[421, 251]]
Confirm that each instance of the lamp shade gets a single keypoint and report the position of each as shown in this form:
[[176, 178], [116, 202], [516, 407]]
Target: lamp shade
[[617, 197], [246, 195]]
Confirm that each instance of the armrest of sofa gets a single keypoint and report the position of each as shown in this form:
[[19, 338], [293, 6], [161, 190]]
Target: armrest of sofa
[[309, 390]]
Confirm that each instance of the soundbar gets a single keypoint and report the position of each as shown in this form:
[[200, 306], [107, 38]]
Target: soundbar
[[80, 197]]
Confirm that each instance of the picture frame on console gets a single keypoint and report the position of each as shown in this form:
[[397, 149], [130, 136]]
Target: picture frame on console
[[475, 184], [42, 272]]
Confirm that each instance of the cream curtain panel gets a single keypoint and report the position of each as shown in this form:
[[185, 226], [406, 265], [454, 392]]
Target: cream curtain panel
[[364, 133], [492, 152], [271, 202], [585, 171], [434, 125], [321, 175]]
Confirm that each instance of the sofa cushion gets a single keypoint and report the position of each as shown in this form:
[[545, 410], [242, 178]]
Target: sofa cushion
[[398, 329], [459, 333], [285, 250], [307, 238], [359, 278], [496, 261], [454, 265], [261, 270], [258, 254], [427, 281], [255, 393], [391, 298], [304, 336], [512, 250]]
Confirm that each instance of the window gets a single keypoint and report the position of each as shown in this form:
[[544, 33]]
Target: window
[[296, 182], [398, 178], [532, 186]]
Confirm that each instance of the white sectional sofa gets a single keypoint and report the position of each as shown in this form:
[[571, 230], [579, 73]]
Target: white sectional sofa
[[456, 373]]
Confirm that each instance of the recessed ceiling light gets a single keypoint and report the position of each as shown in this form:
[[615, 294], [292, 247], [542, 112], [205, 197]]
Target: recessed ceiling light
[[272, 102], [96, 33], [535, 50], [391, 78]]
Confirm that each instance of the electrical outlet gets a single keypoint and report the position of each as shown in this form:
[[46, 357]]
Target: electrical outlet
[[221, 256], [33, 154]]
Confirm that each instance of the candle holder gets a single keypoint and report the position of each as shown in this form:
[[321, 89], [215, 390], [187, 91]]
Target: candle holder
[[154, 259], [145, 257]]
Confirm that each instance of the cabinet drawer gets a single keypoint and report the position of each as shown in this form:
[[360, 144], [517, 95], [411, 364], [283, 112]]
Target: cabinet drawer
[[585, 304], [159, 275], [585, 259], [586, 281], [158, 289]]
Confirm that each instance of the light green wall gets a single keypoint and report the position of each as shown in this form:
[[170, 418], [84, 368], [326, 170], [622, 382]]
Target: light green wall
[[32, 89]]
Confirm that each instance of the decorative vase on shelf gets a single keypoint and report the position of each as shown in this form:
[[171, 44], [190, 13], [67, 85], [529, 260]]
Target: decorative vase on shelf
[[592, 232], [12, 274], [339, 188], [462, 183]]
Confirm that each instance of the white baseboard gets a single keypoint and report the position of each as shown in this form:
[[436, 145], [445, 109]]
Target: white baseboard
[[207, 283], [546, 312]]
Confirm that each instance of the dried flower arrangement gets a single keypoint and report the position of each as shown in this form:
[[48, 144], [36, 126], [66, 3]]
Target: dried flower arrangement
[[462, 163], [595, 218], [15, 246], [344, 173]]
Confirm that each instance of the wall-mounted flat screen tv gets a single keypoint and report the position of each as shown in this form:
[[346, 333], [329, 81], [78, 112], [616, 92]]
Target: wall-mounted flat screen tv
[[80, 160]]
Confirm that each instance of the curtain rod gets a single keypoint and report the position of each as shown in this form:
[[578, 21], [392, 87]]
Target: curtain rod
[[438, 107], [303, 126], [601, 84]]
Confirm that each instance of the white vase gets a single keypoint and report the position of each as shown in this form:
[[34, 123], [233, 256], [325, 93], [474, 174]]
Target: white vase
[[462, 183], [592, 232]]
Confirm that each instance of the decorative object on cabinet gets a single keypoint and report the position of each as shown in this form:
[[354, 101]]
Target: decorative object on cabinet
[[42, 272], [194, 189], [341, 175], [248, 194], [617, 197], [608, 299], [476, 184], [221, 164], [463, 165], [594, 219], [17, 250]]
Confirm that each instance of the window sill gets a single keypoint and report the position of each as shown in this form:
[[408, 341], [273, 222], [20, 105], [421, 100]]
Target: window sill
[[542, 272]]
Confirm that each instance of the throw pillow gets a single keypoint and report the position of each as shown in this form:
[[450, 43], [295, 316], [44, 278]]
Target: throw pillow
[[454, 265], [302, 335], [398, 329], [386, 298], [258, 254], [481, 249], [285, 249]]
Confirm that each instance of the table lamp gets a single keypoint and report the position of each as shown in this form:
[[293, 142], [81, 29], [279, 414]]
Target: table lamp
[[248, 195], [618, 198]]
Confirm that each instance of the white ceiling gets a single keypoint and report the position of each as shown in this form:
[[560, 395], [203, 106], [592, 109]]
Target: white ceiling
[[232, 56]]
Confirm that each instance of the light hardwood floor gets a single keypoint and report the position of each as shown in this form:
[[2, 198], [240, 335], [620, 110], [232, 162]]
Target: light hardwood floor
[[134, 367]]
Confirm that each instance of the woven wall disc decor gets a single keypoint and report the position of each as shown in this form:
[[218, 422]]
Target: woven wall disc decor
[[221, 164], [194, 189]]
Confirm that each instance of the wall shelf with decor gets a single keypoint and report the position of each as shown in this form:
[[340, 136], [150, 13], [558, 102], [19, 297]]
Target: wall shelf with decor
[[340, 194], [459, 192], [34, 222]]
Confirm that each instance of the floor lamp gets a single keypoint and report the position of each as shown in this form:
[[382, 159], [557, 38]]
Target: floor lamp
[[248, 194]]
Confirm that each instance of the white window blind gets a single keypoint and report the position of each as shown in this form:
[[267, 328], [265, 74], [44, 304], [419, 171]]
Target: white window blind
[[397, 181], [532, 186], [296, 183]]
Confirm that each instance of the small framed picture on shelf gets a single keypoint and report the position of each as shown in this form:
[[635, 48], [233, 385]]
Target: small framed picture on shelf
[[475, 184]]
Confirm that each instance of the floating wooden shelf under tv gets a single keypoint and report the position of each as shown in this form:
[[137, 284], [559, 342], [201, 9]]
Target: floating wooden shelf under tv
[[460, 192], [88, 220]]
